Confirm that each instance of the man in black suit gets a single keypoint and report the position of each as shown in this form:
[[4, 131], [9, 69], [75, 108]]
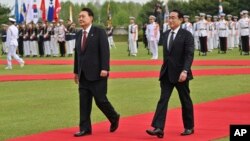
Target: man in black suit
[[175, 72], [91, 69]]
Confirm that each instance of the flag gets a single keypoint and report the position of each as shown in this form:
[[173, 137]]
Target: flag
[[70, 12], [17, 12], [29, 15], [57, 10], [22, 13], [51, 12], [35, 12], [166, 10], [220, 7], [43, 10], [109, 12]]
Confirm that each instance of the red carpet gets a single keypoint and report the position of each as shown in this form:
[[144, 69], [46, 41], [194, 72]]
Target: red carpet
[[212, 120], [145, 74], [138, 62]]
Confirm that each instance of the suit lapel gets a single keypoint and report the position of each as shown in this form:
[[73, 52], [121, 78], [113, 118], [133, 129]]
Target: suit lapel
[[89, 38], [166, 41]]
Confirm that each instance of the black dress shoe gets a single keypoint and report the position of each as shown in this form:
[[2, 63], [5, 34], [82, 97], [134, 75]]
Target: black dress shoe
[[187, 132], [82, 133], [114, 125], [156, 132]]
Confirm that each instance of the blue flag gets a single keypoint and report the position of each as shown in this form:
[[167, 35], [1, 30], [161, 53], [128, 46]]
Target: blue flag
[[16, 12], [51, 12]]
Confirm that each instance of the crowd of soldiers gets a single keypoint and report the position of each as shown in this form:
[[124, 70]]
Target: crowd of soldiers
[[43, 39], [222, 32]]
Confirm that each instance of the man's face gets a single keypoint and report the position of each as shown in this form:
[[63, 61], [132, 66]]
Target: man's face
[[84, 19], [174, 20]]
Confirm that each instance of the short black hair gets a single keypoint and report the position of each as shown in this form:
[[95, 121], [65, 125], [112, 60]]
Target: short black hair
[[89, 11], [180, 14]]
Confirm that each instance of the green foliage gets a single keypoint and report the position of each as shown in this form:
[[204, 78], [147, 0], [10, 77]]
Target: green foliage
[[4, 14]]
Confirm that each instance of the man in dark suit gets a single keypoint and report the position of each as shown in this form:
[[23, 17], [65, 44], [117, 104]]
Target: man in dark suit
[[91, 66], [176, 72]]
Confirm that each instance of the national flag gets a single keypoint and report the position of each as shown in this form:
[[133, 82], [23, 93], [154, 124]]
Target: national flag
[[16, 12], [51, 12], [57, 10], [70, 12], [35, 12], [43, 10], [22, 13], [29, 15], [220, 7]]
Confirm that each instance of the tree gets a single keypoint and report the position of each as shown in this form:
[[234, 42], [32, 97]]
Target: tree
[[4, 14]]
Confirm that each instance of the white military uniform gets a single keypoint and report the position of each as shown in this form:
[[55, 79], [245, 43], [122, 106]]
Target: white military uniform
[[231, 32], [196, 35], [132, 38], [215, 34], [223, 34], [12, 43], [153, 36], [188, 26], [210, 36], [244, 30], [236, 35], [53, 41]]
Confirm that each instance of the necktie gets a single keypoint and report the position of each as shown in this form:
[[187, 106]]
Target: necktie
[[171, 40], [84, 38]]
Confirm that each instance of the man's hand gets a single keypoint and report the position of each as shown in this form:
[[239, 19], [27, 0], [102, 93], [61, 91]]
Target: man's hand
[[76, 79], [183, 76], [104, 73]]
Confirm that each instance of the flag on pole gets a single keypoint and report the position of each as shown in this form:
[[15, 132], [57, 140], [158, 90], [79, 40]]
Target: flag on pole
[[70, 12], [29, 15], [166, 10], [220, 7], [57, 10], [109, 12], [16, 12], [43, 10], [51, 12], [22, 13], [35, 12]]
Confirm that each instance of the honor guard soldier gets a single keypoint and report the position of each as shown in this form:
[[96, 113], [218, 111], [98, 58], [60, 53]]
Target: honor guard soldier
[[33, 40], [166, 25], [20, 39], [61, 37], [132, 36], [187, 25], [210, 36], [202, 28], [46, 39], [153, 36], [53, 40], [244, 25], [40, 39], [26, 41], [3, 37], [223, 33], [215, 32], [69, 52], [12, 43], [110, 31], [231, 32], [196, 33], [236, 35]]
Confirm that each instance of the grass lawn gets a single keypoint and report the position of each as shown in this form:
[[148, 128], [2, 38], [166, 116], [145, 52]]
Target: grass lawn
[[29, 107]]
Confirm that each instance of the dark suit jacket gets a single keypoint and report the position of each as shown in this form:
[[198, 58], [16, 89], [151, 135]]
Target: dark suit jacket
[[180, 56], [95, 56]]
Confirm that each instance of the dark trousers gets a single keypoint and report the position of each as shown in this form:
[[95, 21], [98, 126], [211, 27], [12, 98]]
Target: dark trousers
[[97, 90], [203, 44], [245, 43], [62, 48], [223, 43], [40, 47], [162, 106], [20, 46]]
